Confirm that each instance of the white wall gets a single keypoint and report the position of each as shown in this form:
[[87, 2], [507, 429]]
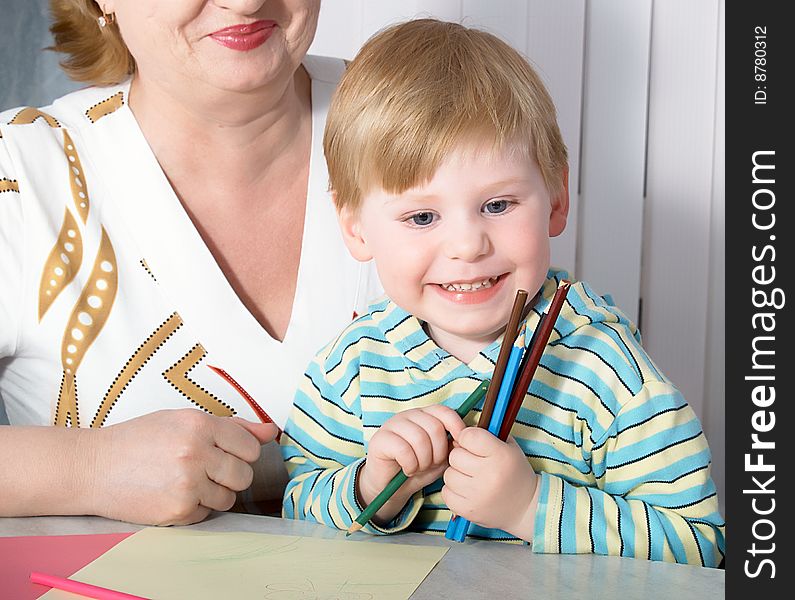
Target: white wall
[[682, 282], [640, 100]]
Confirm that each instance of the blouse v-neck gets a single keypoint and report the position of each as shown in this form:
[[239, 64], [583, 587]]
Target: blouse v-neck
[[329, 282]]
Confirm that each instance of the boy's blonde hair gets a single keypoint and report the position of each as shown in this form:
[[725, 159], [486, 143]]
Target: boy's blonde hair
[[420, 89]]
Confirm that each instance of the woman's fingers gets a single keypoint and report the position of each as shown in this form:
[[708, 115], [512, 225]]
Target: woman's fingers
[[198, 513], [264, 432], [228, 471], [216, 497], [238, 439], [192, 463]]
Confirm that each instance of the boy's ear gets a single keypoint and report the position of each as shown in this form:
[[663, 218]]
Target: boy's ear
[[560, 208], [351, 234]]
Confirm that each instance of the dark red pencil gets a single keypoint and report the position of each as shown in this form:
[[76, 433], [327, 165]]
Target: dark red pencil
[[532, 358]]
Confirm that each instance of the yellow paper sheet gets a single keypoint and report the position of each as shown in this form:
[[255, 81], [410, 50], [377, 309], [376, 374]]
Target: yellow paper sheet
[[180, 563]]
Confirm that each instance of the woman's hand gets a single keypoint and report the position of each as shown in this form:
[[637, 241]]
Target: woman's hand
[[491, 483], [414, 441], [172, 467]]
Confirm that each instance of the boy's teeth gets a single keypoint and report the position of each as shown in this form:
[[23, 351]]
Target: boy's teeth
[[469, 287]]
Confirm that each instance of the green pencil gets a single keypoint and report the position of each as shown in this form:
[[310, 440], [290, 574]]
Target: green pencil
[[401, 477]]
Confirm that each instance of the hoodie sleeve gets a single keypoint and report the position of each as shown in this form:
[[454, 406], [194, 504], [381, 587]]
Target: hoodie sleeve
[[654, 496], [323, 448]]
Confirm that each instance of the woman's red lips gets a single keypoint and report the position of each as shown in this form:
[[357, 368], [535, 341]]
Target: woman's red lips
[[245, 36], [245, 27]]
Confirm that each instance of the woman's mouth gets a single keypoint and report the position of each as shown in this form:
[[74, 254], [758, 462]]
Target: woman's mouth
[[245, 36]]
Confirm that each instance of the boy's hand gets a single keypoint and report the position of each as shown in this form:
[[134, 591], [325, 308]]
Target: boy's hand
[[491, 483], [414, 441]]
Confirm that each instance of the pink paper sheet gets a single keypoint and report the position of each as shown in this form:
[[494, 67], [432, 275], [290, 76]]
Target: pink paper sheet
[[60, 555]]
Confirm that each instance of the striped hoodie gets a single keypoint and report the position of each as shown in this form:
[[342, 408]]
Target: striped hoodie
[[624, 467]]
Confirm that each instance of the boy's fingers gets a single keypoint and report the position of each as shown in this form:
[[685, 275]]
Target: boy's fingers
[[395, 447], [437, 435], [479, 441], [449, 418], [455, 502], [420, 442], [457, 481], [464, 461], [511, 441]]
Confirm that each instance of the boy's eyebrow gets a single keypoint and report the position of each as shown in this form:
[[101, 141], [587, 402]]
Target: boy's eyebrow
[[407, 195], [487, 189], [508, 182]]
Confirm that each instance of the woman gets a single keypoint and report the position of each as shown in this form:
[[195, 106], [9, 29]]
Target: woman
[[167, 243]]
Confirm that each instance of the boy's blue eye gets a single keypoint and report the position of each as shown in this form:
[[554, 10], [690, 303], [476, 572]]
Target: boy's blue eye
[[422, 219], [495, 207]]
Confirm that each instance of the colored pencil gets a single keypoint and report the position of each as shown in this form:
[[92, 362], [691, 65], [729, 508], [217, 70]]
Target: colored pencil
[[78, 587], [532, 358], [258, 410], [509, 337], [458, 527], [505, 413], [398, 480], [498, 391]]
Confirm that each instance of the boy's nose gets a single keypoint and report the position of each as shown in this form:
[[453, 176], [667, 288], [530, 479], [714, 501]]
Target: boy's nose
[[466, 242]]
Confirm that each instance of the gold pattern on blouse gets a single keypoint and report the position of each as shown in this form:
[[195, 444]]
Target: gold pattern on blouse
[[133, 366], [62, 264], [104, 108], [77, 180], [30, 114], [8, 185], [143, 263], [86, 321], [177, 376]]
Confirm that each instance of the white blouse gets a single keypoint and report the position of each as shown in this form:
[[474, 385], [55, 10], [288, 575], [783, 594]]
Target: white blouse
[[112, 306]]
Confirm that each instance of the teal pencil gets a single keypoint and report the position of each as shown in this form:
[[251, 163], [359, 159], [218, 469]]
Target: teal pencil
[[398, 480]]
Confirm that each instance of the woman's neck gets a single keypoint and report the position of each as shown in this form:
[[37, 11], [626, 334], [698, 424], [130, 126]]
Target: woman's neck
[[222, 135]]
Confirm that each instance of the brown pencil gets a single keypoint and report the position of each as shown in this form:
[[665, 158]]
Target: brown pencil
[[511, 331], [532, 358]]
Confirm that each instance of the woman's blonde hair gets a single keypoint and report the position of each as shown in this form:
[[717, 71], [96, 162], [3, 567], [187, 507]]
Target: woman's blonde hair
[[94, 54], [418, 90]]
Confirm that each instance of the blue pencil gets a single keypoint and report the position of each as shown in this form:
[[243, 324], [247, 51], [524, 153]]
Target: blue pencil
[[458, 527]]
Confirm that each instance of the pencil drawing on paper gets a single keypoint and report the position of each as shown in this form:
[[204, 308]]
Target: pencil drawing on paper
[[307, 591]]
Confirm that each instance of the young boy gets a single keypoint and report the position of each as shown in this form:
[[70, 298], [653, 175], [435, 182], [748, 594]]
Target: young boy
[[448, 169]]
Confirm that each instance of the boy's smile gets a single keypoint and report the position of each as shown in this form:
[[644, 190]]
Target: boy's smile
[[454, 250], [472, 292]]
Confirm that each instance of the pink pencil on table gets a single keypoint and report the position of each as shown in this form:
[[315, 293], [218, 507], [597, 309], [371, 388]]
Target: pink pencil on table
[[78, 587]]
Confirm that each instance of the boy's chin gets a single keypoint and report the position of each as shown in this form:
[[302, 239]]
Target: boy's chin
[[475, 334]]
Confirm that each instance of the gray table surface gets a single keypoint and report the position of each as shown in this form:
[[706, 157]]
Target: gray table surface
[[474, 569]]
